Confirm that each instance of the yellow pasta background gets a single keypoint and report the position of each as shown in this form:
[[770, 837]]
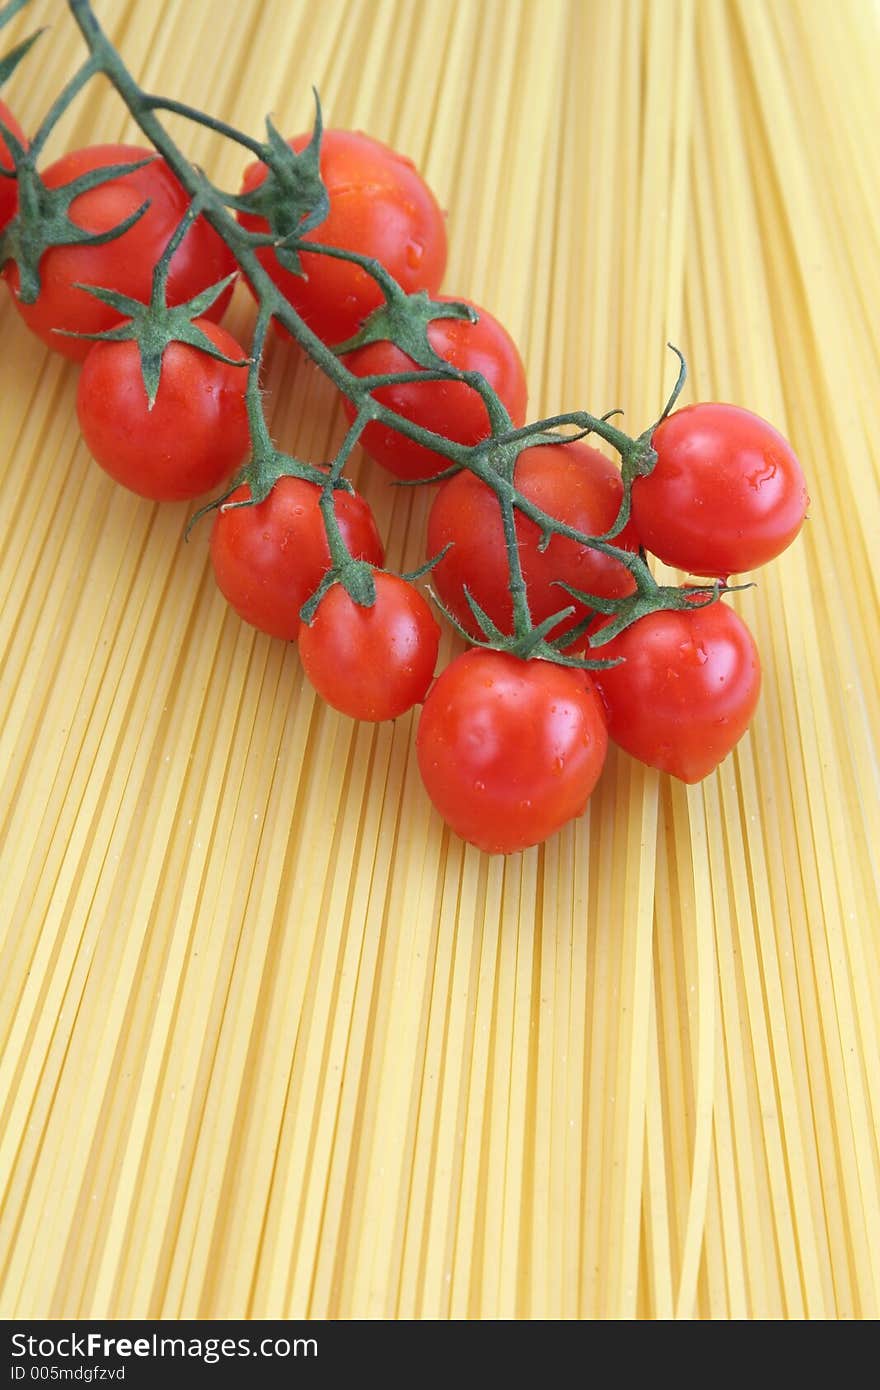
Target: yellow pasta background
[[274, 1042]]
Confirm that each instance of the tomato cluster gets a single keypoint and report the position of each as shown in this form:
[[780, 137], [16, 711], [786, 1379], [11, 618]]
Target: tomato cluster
[[509, 745]]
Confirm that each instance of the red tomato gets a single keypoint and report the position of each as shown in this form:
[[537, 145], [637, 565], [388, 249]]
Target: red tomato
[[727, 493], [8, 187], [449, 408], [572, 482], [686, 690], [371, 663], [510, 750], [195, 436], [380, 207], [269, 558], [126, 263]]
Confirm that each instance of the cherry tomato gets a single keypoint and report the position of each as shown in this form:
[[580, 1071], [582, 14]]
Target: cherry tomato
[[380, 207], [510, 750], [270, 557], [727, 493], [126, 263], [686, 690], [8, 187], [195, 436], [449, 408], [572, 482], [371, 663]]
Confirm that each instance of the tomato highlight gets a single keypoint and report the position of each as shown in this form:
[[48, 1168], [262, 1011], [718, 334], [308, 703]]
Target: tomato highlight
[[726, 495], [571, 482], [375, 662], [194, 437], [686, 689], [510, 750]]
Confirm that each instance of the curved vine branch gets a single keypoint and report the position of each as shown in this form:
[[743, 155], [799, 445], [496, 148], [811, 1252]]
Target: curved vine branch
[[493, 460]]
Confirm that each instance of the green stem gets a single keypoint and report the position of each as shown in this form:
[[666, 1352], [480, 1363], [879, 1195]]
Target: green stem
[[163, 265], [239, 241], [339, 551], [493, 461], [261, 441], [65, 98], [582, 421], [10, 10], [358, 425], [384, 279], [192, 113], [522, 617]]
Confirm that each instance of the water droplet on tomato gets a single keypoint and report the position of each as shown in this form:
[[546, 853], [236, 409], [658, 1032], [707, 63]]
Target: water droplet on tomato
[[413, 254]]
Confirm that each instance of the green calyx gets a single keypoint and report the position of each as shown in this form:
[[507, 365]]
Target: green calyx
[[155, 325], [403, 319], [44, 220], [357, 579], [260, 474], [649, 597], [531, 643], [292, 198]]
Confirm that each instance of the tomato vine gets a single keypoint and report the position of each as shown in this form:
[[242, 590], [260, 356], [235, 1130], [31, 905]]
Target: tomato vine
[[402, 318], [264, 231]]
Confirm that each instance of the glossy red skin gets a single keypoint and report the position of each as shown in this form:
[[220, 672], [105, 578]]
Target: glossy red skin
[[686, 690], [269, 558], [371, 663], [571, 482], [381, 207], [8, 187], [449, 408], [126, 263], [727, 493], [510, 750], [195, 436]]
